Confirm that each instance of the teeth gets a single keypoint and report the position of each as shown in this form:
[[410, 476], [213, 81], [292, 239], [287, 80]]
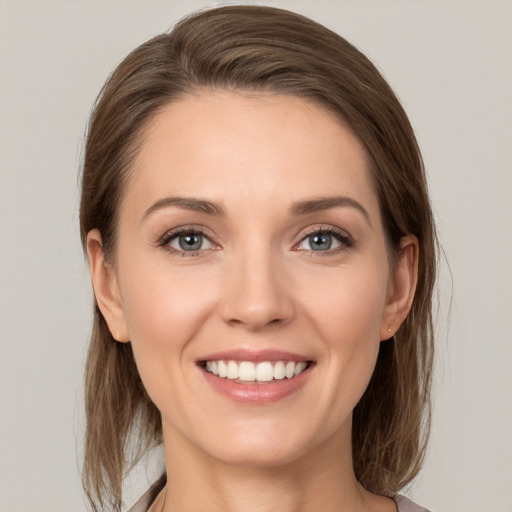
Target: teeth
[[248, 371], [232, 371], [223, 371], [289, 370], [264, 372], [299, 368], [279, 371]]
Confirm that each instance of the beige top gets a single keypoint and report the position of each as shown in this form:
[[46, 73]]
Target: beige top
[[153, 500]]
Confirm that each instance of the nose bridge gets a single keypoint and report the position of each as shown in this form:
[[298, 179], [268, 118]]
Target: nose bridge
[[257, 294]]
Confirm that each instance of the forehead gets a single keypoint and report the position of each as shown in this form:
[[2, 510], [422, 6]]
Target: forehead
[[228, 145]]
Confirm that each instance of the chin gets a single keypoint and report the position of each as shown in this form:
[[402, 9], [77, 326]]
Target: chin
[[262, 444], [259, 455]]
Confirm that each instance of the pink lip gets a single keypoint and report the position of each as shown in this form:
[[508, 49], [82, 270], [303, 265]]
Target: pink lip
[[256, 356], [252, 392]]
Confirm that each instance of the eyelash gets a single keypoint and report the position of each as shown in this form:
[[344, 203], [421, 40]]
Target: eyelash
[[188, 230], [341, 236], [345, 240]]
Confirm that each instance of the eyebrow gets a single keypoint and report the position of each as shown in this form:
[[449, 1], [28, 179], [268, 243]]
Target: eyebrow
[[297, 208], [187, 203], [325, 203]]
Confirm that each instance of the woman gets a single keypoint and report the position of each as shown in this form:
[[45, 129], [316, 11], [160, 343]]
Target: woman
[[262, 251]]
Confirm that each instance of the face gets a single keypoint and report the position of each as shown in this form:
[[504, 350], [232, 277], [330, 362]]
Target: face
[[251, 276]]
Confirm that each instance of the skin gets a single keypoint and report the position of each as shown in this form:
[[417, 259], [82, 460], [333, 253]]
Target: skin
[[255, 283]]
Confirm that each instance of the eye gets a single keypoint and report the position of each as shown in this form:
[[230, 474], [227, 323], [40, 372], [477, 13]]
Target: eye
[[323, 240], [191, 241]]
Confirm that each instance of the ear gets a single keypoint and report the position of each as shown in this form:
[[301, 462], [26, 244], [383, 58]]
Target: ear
[[401, 288], [106, 288]]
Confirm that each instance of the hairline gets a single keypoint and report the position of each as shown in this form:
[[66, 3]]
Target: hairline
[[195, 90]]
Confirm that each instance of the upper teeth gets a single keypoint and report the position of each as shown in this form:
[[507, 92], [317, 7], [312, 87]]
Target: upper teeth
[[249, 371]]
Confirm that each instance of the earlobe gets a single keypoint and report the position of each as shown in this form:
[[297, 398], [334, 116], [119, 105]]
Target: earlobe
[[106, 288], [402, 287]]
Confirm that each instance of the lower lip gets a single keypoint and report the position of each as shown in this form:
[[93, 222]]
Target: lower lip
[[254, 393]]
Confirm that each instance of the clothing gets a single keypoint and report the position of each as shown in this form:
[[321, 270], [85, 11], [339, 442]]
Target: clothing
[[145, 502], [155, 494], [406, 505]]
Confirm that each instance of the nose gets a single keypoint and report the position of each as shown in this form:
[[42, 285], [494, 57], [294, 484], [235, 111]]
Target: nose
[[257, 293]]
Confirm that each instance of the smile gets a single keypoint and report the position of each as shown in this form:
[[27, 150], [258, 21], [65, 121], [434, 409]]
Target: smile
[[247, 371], [256, 376]]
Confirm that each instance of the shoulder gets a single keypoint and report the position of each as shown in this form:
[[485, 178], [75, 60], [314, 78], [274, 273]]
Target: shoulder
[[144, 503], [149, 496], [406, 505]]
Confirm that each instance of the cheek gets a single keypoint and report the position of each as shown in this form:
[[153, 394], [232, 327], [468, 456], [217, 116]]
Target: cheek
[[351, 306], [164, 311], [161, 299], [349, 320]]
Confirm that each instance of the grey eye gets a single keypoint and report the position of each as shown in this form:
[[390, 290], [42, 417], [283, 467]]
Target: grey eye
[[323, 241], [320, 241], [190, 242]]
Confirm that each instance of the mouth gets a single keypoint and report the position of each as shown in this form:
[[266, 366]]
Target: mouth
[[262, 372], [256, 377]]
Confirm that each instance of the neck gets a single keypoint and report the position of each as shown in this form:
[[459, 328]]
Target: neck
[[320, 480]]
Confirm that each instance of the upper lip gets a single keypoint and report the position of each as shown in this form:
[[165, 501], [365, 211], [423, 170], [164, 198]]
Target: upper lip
[[253, 355]]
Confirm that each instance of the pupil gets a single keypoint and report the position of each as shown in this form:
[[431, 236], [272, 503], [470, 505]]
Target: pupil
[[320, 241], [190, 242]]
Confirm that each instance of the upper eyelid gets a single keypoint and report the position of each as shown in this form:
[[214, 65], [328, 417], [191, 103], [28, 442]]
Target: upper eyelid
[[194, 228], [327, 229], [335, 230]]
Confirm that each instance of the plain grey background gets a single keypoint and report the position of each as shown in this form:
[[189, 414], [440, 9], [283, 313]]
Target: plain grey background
[[450, 63]]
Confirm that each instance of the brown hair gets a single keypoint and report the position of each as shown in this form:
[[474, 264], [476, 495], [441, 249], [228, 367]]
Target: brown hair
[[261, 49]]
